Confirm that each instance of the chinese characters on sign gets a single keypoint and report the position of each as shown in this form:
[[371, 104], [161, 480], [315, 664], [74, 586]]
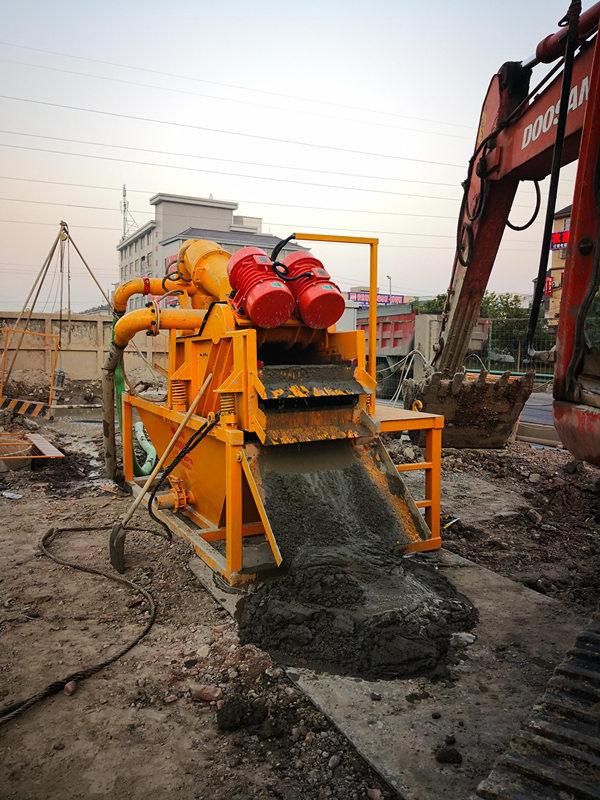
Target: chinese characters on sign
[[559, 240], [362, 298]]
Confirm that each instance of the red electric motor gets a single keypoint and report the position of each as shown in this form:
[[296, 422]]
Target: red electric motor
[[259, 293], [320, 302]]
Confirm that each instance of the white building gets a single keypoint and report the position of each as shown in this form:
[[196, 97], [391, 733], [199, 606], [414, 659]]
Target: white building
[[153, 248]]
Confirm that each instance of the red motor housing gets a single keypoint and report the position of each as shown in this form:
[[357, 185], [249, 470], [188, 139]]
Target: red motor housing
[[320, 302], [259, 293]]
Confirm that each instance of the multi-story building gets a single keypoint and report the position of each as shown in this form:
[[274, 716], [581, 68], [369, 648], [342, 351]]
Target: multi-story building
[[554, 276], [153, 248]]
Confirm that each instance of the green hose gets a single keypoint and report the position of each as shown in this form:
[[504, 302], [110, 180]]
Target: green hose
[[148, 465]]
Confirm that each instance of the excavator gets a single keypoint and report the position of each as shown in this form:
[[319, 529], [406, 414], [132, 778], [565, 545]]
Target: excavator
[[526, 134]]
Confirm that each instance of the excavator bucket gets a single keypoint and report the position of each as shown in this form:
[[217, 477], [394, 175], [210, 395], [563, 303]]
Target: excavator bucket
[[332, 494], [478, 413]]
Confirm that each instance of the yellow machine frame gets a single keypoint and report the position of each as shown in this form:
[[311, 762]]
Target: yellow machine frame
[[222, 472]]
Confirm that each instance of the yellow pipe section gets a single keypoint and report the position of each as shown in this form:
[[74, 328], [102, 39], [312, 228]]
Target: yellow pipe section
[[203, 266], [204, 263], [145, 319], [138, 286]]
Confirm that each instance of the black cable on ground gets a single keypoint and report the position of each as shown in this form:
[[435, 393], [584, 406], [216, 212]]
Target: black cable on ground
[[15, 709]]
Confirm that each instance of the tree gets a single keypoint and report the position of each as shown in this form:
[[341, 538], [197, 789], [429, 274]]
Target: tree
[[494, 306], [502, 306], [433, 306]]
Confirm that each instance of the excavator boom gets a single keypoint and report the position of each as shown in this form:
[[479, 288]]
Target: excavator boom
[[515, 142]]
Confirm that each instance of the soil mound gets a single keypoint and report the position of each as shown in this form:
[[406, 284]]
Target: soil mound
[[349, 602]]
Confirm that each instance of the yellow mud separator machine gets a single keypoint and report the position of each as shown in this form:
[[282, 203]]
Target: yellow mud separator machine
[[279, 395]]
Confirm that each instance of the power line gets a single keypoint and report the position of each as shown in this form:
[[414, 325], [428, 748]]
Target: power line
[[55, 224], [290, 225], [27, 271], [297, 226], [220, 172], [221, 131], [227, 160], [95, 227], [250, 202], [65, 205], [251, 103], [327, 103]]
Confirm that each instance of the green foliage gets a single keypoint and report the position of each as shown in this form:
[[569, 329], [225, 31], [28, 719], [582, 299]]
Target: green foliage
[[433, 306], [502, 306], [494, 306]]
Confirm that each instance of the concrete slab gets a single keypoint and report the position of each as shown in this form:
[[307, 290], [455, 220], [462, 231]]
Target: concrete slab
[[520, 637]]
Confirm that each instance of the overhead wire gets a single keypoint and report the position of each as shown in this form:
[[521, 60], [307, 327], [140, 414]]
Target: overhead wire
[[53, 224], [329, 103], [363, 120], [379, 212], [181, 154], [381, 244], [281, 224], [225, 132], [230, 174]]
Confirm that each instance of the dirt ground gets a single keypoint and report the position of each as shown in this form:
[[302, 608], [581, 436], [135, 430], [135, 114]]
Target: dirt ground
[[135, 729]]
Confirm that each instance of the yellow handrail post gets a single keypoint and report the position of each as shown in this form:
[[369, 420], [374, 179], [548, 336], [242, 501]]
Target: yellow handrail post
[[373, 244]]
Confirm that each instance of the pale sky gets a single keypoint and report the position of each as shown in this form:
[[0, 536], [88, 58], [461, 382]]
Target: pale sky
[[401, 82]]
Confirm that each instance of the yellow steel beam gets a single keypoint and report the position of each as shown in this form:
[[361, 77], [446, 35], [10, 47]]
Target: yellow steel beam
[[373, 244]]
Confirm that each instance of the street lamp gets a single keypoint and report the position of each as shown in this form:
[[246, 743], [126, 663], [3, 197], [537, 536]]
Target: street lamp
[[389, 277]]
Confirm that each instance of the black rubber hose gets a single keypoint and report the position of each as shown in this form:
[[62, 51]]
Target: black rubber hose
[[279, 247], [572, 18], [14, 709], [538, 202]]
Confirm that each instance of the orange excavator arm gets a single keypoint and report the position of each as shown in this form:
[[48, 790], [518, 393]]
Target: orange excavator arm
[[515, 142], [522, 135]]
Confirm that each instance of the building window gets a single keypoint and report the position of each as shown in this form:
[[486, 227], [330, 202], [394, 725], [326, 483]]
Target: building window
[[149, 259], [137, 266]]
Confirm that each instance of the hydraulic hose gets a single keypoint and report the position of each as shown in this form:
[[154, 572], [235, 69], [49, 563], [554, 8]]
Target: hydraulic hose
[[147, 447], [572, 20]]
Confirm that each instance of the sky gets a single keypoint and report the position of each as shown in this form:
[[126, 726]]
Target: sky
[[325, 117]]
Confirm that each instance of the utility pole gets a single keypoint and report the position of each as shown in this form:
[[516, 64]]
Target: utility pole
[[124, 210]]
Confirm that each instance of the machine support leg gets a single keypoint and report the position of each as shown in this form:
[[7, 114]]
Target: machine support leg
[[233, 509], [433, 479]]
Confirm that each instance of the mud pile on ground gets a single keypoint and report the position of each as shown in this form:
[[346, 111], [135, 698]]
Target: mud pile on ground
[[349, 603], [392, 622]]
